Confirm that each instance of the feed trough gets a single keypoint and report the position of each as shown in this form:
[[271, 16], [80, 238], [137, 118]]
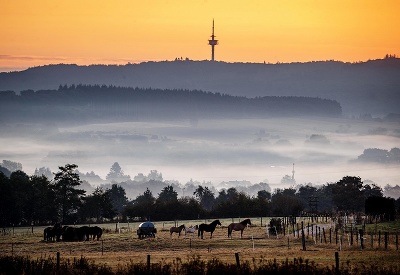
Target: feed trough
[[146, 229]]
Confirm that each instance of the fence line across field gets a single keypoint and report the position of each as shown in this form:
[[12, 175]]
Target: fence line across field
[[310, 234]]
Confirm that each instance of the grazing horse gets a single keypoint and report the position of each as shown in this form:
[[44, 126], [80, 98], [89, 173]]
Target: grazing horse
[[57, 231], [191, 229], [95, 232], [48, 234], [83, 233], [238, 226], [177, 229], [52, 233], [208, 228], [70, 234]]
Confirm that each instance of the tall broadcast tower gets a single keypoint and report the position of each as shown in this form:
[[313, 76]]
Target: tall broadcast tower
[[213, 42]]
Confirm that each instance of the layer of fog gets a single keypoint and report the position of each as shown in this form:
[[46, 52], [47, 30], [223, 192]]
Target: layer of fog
[[254, 150]]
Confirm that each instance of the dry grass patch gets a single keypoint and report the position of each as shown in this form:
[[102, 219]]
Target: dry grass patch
[[124, 248]]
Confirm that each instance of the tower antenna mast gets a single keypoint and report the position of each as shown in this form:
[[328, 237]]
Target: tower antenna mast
[[212, 42], [293, 173]]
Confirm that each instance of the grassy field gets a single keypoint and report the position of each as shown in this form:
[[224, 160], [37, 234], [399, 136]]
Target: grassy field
[[122, 246]]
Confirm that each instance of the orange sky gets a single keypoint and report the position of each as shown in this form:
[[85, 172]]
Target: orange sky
[[38, 32]]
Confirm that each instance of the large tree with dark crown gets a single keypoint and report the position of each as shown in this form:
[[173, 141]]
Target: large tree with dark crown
[[68, 196]]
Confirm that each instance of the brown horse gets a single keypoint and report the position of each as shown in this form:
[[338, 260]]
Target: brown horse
[[177, 229], [238, 226]]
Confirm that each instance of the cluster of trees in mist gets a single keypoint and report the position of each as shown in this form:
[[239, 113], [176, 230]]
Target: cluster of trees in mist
[[90, 102], [26, 200]]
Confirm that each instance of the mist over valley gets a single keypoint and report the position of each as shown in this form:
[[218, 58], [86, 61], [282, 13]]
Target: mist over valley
[[212, 152], [215, 124]]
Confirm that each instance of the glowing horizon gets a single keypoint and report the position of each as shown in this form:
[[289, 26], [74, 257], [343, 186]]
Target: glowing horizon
[[36, 33]]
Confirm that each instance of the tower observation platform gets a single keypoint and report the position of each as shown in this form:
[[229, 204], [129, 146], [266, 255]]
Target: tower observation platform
[[212, 42]]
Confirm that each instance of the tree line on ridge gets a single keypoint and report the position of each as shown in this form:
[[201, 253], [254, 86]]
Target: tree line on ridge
[[85, 102]]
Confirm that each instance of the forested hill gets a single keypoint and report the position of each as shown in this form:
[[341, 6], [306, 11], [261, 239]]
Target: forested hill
[[91, 102], [367, 87]]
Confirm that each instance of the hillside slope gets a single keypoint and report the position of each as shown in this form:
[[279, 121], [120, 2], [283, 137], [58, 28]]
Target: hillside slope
[[368, 87]]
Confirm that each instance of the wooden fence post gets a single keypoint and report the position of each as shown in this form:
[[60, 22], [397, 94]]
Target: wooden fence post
[[312, 231], [341, 241], [303, 238], [372, 240], [337, 262], [386, 240], [361, 232], [320, 235], [351, 235], [336, 234], [294, 232], [148, 262], [379, 238], [58, 260], [356, 237], [237, 259]]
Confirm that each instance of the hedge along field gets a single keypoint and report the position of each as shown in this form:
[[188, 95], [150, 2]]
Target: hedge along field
[[120, 246]]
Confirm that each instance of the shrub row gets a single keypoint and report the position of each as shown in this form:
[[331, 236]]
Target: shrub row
[[193, 266]]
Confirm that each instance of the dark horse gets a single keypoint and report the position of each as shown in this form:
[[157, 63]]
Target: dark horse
[[48, 234], [238, 226], [177, 229], [95, 232], [52, 233], [208, 228]]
